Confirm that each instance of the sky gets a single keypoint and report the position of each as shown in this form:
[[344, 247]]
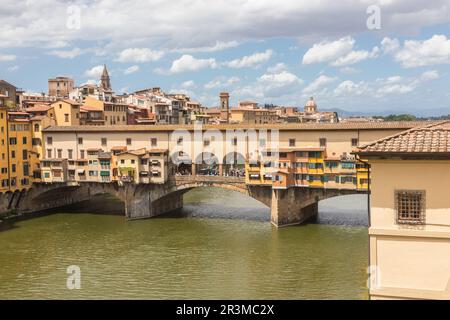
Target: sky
[[369, 56]]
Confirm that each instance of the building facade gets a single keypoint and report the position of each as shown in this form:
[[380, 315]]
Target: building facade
[[60, 87], [409, 225]]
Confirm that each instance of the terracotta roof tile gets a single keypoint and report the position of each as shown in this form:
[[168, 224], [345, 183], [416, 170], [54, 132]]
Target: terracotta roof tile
[[290, 126], [432, 138]]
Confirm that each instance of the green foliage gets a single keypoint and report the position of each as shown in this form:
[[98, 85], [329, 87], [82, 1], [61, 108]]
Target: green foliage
[[397, 117]]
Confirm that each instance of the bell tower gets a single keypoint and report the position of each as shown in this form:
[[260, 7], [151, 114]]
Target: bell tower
[[105, 80], [225, 106]]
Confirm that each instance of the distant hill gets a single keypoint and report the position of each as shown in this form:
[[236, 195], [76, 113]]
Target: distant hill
[[425, 113]]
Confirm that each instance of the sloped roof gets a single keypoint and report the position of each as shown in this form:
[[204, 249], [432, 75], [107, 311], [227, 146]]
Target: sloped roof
[[432, 138]]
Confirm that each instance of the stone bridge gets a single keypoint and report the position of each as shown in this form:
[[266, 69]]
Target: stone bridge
[[288, 206]]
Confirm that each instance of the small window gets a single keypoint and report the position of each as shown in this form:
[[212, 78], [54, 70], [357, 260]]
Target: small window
[[128, 141], [104, 141], [291, 142], [206, 143], [323, 142], [154, 142], [80, 140], [410, 206], [354, 142]]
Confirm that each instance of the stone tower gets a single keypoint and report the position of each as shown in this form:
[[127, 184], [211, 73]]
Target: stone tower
[[105, 80], [225, 106]]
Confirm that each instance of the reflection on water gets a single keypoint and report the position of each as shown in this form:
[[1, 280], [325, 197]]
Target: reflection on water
[[220, 247]]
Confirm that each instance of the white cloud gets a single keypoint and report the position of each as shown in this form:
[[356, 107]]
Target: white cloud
[[389, 45], [326, 51], [188, 84], [181, 23], [67, 54], [279, 84], [277, 68], [338, 53], [430, 75], [221, 83], [131, 69], [250, 61], [187, 63], [396, 89], [94, 72], [416, 53], [138, 55], [218, 46], [315, 86], [7, 57], [348, 87], [356, 56], [349, 70]]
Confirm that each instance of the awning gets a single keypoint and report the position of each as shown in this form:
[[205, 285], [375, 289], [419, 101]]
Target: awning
[[254, 175], [105, 173], [80, 171], [144, 173]]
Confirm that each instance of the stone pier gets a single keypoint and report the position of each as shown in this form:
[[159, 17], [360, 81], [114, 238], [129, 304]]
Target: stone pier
[[292, 206]]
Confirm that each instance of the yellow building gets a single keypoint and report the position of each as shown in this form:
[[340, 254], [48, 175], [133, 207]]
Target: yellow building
[[20, 158], [409, 220], [20, 149], [253, 116], [66, 112], [114, 113], [4, 177], [306, 167]]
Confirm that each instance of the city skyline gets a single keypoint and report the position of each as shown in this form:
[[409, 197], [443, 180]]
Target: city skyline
[[283, 59]]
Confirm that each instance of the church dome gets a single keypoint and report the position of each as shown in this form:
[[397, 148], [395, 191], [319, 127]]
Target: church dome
[[311, 106], [311, 103]]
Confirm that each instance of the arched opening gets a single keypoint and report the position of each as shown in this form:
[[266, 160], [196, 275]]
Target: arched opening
[[219, 203], [348, 209], [207, 164], [234, 165], [181, 164]]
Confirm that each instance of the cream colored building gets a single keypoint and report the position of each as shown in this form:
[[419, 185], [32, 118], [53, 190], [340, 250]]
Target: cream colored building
[[338, 139], [410, 214]]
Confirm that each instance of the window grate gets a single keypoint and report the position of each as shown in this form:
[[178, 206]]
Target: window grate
[[410, 206]]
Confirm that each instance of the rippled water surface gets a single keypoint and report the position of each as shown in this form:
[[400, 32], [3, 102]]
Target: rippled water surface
[[221, 246]]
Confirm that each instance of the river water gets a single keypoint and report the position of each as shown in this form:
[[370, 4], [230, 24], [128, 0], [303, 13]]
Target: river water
[[221, 246]]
